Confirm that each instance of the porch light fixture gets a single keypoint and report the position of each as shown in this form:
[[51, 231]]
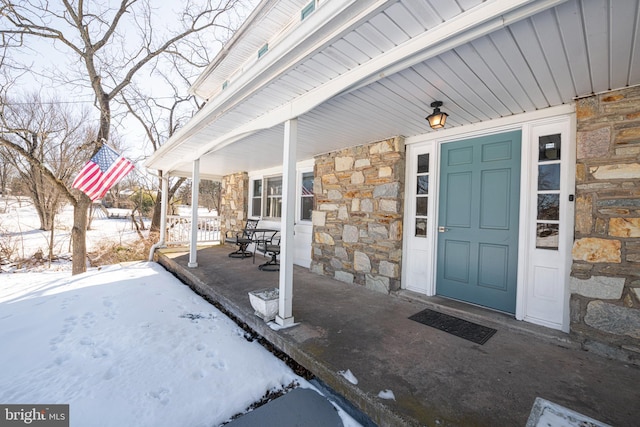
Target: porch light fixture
[[437, 119]]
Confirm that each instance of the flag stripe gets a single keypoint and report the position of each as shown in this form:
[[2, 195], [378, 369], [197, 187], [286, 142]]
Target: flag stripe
[[115, 173], [87, 173]]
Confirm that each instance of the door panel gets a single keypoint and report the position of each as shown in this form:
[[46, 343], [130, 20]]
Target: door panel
[[459, 208], [494, 199], [478, 218], [456, 261], [493, 266]]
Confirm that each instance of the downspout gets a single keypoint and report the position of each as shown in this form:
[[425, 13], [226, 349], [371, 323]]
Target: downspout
[[164, 191]]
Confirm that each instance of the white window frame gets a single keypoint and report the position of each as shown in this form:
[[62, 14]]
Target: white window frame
[[266, 198], [300, 196], [252, 181]]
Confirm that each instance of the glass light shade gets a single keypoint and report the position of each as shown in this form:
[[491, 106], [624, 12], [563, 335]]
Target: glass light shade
[[437, 119]]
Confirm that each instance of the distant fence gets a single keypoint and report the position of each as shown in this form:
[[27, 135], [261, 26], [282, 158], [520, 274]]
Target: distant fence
[[179, 229]]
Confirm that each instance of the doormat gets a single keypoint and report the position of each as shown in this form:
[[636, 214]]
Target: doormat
[[461, 328]]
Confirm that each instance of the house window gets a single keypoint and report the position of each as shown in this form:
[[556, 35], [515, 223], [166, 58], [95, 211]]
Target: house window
[[422, 195], [273, 189], [256, 198], [548, 212], [308, 10], [264, 49], [306, 196]]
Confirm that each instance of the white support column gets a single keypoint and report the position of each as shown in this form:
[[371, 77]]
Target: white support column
[[285, 312], [164, 206], [193, 244]]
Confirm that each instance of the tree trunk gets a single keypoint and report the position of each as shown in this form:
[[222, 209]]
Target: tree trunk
[[157, 210], [51, 241], [78, 235], [157, 207]]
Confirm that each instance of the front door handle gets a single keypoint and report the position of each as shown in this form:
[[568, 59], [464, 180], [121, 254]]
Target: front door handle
[[442, 229]]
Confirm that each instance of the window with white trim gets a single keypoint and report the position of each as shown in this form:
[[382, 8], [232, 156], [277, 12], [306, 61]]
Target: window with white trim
[[273, 197], [548, 216], [256, 197], [306, 196], [422, 195], [307, 10]]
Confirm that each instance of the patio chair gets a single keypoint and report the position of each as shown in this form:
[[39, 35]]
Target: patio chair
[[242, 239], [270, 247]]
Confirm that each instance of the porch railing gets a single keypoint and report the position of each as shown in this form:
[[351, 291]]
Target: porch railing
[[179, 229]]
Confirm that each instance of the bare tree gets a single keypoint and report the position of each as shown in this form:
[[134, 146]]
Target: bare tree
[[7, 171], [160, 119], [209, 194], [107, 47], [41, 137]]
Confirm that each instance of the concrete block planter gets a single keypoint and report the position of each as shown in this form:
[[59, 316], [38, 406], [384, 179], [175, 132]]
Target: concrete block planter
[[265, 303]]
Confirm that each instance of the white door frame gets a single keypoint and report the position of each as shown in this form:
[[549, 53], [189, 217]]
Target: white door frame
[[527, 122]]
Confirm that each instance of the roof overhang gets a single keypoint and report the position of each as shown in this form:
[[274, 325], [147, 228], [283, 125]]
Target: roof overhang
[[494, 59]]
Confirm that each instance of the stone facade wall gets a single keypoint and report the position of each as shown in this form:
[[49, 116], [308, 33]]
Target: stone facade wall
[[605, 282], [357, 227], [234, 202]]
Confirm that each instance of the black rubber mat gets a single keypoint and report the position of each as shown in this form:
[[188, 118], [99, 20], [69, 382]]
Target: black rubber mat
[[459, 327]]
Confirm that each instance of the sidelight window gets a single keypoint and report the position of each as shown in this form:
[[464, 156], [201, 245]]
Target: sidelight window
[[422, 195], [548, 212]]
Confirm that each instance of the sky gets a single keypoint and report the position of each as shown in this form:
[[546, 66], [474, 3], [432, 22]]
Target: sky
[[123, 344], [42, 57]]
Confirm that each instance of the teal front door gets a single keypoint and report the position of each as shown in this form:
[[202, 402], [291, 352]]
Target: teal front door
[[478, 220]]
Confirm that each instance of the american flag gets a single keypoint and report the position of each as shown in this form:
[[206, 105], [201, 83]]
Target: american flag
[[102, 172]]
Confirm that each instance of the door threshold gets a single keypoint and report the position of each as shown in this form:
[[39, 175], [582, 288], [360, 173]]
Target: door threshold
[[488, 317]]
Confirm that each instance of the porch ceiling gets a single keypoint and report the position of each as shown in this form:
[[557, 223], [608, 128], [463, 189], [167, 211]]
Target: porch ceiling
[[536, 55]]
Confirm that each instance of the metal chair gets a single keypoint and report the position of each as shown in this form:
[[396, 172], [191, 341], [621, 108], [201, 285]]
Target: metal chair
[[270, 247], [243, 239]]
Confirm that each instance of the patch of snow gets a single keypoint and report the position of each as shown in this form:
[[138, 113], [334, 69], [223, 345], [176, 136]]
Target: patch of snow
[[348, 375], [20, 229], [386, 394], [128, 345], [124, 344]]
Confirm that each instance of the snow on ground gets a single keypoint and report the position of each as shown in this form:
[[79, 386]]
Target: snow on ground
[[128, 346], [19, 229], [124, 344]]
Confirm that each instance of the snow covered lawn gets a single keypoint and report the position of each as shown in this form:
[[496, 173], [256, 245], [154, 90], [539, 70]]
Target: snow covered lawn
[[127, 345]]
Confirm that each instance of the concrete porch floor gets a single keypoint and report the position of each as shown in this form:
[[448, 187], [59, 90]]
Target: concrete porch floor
[[437, 378]]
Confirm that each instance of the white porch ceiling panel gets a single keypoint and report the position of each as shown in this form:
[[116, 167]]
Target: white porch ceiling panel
[[575, 48]]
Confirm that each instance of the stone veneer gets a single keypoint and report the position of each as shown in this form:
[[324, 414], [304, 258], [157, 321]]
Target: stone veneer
[[357, 224], [605, 282], [234, 202]]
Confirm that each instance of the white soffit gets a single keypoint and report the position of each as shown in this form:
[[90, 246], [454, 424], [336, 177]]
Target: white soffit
[[571, 49]]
